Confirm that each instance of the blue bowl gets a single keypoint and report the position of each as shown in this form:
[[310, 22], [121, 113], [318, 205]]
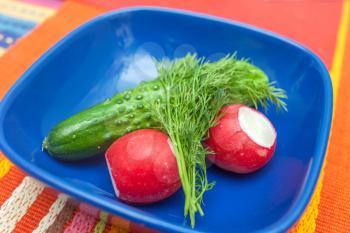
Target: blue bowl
[[113, 52]]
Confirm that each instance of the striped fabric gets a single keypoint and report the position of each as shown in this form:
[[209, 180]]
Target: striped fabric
[[17, 19], [27, 205], [17, 205]]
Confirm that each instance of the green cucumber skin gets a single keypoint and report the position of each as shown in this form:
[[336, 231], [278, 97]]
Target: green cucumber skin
[[93, 130]]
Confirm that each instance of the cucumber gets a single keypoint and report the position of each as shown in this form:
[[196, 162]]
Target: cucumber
[[93, 130]]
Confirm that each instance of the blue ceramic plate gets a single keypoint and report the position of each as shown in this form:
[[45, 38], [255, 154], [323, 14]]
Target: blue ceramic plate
[[113, 52]]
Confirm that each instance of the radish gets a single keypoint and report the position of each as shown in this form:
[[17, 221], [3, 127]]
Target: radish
[[243, 140], [143, 167]]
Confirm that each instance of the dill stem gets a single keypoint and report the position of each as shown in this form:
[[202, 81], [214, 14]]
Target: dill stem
[[199, 208], [183, 173]]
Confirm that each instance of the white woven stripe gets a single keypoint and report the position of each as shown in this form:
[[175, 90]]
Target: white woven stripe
[[16, 206], [53, 213], [2, 51], [25, 11]]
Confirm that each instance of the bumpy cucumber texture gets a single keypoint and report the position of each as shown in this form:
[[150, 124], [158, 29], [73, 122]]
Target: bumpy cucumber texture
[[92, 131]]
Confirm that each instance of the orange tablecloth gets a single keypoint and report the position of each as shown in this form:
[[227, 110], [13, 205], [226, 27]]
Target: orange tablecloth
[[321, 25]]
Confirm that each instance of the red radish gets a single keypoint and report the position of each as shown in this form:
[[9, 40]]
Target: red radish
[[143, 167], [243, 141]]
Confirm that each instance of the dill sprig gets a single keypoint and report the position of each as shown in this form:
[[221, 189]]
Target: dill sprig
[[195, 91]]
